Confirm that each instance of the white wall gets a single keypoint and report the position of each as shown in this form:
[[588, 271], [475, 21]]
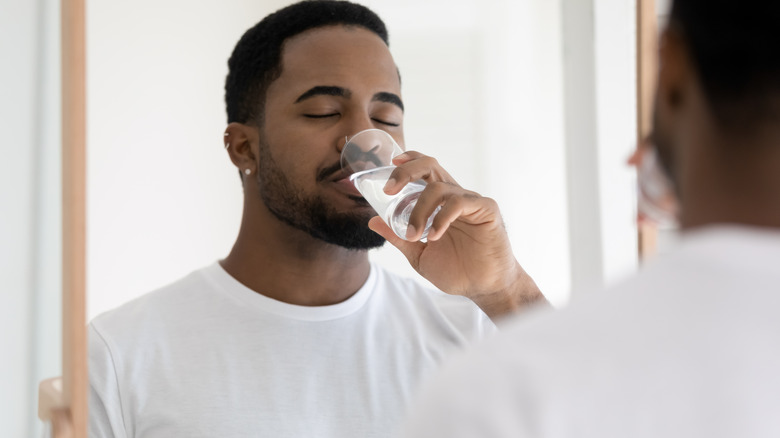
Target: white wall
[[17, 211], [523, 128], [30, 248], [162, 196], [600, 111]]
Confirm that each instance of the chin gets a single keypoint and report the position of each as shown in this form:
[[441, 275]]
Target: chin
[[350, 234]]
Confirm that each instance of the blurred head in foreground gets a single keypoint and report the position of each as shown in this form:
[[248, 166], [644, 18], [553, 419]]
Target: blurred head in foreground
[[717, 114]]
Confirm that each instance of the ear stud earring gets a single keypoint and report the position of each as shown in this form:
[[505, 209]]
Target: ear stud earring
[[227, 145], [247, 171]]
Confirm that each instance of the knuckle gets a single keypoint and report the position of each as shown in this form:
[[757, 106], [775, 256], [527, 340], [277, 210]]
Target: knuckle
[[438, 187], [400, 174], [491, 203], [429, 161]]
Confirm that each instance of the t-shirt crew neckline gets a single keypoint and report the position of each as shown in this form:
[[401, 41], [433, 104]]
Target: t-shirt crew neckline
[[224, 282]]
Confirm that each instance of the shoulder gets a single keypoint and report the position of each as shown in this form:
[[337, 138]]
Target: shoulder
[[502, 386], [406, 288], [636, 341], [426, 305], [399, 288], [156, 310]]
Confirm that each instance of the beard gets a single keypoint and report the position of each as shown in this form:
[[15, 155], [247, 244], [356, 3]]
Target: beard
[[311, 214]]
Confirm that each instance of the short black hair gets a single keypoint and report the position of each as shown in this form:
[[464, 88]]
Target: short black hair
[[735, 48], [256, 59]]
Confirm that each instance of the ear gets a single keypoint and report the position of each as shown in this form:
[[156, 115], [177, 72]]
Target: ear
[[241, 142]]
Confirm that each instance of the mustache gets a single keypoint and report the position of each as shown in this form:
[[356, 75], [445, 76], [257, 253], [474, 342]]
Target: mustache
[[327, 172]]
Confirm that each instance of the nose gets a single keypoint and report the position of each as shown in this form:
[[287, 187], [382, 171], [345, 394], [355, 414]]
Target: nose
[[341, 142], [355, 121]]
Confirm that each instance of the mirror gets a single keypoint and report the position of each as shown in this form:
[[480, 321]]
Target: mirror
[[532, 103], [488, 85], [491, 79]]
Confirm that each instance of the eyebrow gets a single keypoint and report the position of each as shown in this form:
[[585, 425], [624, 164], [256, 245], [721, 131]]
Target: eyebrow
[[332, 90], [389, 98], [327, 90]]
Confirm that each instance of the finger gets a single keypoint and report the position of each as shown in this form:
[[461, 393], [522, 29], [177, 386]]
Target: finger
[[406, 156], [433, 196], [410, 250], [469, 209], [61, 424], [414, 166]]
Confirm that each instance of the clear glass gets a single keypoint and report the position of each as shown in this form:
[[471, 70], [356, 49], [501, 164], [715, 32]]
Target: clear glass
[[368, 156]]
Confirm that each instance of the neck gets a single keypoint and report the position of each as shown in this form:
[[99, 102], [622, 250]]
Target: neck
[[287, 264], [737, 181]]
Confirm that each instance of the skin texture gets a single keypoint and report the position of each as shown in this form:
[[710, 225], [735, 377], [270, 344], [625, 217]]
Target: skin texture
[[300, 139], [722, 174]]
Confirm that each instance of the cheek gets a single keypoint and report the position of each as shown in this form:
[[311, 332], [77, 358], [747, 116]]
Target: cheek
[[295, 162], [286, 148], [298, 149], [290, 163]]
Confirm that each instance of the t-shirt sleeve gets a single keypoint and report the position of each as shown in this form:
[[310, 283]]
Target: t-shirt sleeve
[[466, 317], [105, 407]]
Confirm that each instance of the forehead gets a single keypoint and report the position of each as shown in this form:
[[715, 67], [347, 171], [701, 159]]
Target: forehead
[[348, 56]]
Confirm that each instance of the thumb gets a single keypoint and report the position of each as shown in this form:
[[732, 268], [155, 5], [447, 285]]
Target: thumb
[[411, 250]]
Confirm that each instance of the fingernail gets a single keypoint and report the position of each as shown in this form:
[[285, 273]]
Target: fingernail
[[390, 183], [410, 232]]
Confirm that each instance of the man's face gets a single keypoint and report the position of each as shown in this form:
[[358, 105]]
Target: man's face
[[335, 82]]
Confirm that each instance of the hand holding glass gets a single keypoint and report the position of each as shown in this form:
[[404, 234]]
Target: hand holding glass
[[368, 158]]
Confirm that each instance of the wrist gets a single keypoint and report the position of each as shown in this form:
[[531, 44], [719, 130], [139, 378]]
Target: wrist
[[516, 295]]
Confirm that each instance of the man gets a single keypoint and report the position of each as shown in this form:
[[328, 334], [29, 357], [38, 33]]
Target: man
[[690, 347], [295, 333]]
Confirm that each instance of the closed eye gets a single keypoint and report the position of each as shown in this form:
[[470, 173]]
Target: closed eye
[[319, 116], [386, 123]]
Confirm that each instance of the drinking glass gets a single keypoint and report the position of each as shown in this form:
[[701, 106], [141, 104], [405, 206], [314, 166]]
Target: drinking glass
[[368, 158]]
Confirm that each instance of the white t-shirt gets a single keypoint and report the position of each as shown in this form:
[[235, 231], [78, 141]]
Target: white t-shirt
[[208, 357], [690, 347]]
